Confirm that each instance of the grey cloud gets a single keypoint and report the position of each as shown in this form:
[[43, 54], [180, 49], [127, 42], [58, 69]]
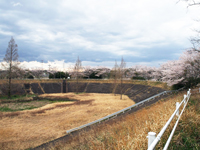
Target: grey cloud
[[96, 31]]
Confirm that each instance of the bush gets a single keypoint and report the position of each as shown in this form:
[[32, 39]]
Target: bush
[[191, 82], [30, 77], [58, 75], [177, 86], [51, 76], [187, 83]]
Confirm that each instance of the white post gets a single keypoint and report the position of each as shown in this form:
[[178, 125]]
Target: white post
[[185, 98], [188, 94], [199, 90], [177, 105], [151, 137]]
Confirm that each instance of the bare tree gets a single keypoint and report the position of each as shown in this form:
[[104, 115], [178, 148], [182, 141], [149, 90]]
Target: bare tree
[[11, 63], [194, 40], [192, 2], [115, 76], [122, 70], [77, 73]]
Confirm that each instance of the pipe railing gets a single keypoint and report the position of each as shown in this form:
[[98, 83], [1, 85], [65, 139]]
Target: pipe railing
[[153, 140], [117, 113]]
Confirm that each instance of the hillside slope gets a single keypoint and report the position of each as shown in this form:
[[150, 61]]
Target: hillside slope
[[130, 131]]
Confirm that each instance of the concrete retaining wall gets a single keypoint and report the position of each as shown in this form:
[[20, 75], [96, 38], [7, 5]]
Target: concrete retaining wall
[[135, 92]]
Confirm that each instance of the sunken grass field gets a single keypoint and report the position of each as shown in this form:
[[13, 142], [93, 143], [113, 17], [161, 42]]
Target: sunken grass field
[[27, 122], [30, 128]]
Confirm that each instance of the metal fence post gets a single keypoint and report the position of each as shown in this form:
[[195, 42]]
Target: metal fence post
[[151, 137], [177, 105]]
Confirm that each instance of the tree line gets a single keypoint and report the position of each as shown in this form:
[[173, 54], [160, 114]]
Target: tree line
[[184, 72]]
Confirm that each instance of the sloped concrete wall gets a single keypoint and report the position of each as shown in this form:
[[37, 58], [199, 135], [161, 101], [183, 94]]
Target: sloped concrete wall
[[135, 92]]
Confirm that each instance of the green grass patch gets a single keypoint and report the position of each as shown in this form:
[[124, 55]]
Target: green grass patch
[[14, 97], [11, 109], [58, 101], [5, 109], [20, 106]]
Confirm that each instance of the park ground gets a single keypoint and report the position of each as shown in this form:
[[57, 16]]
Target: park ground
[[30, 128]]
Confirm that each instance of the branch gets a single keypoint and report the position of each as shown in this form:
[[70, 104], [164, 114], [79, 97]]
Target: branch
[[190, 2], [193, 4]]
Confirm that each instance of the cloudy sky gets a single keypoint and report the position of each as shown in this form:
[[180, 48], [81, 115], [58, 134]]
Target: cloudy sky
[[98, 31]]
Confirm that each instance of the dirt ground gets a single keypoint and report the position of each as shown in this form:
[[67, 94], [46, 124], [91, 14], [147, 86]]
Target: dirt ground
[[30, 128]]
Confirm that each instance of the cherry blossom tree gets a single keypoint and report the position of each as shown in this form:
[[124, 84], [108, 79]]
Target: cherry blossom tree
[[172, 72], [191, 59], [141, 72], [96, 72], [156, 74], [103, 72], [88, 71], [182, 71]]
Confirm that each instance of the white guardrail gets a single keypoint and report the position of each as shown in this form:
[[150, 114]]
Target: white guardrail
[[153, 140], [117, 113]]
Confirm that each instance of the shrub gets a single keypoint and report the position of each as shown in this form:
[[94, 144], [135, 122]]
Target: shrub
[[191, 82], [177, 86], [30, 77]]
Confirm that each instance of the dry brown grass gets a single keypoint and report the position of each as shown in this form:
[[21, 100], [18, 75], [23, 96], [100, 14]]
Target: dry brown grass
[[128, 133], [187, 134], [21, 81], [30, 128], [141, 82]]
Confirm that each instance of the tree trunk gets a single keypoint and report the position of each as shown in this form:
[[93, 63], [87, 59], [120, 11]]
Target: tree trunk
[[121, 88], [9, 88], [77, 83]]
